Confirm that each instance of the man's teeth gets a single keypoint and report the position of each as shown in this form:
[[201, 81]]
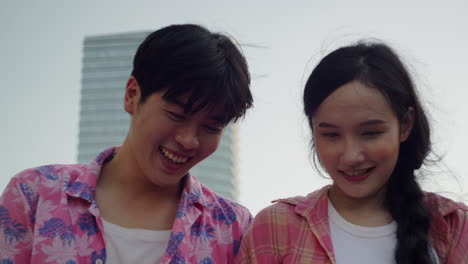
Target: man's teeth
[[174, 158]]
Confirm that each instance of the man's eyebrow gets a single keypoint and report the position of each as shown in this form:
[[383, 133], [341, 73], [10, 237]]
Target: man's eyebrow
[[218, 119], [221, 120], [176, 102]]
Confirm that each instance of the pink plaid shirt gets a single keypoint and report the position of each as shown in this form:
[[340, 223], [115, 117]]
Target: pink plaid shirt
[[296, 230], [49, 215]]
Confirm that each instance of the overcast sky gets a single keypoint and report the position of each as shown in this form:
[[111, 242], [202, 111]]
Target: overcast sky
[[40, 71]]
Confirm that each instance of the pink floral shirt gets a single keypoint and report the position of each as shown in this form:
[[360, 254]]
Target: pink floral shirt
[[296, 230], [49, 215]]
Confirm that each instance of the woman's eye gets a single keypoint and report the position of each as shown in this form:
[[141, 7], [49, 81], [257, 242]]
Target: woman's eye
[[330, 135], [372, 133]]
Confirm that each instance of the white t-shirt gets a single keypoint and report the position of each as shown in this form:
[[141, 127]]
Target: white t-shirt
[[359, 244], [355, 244], [127, 245]]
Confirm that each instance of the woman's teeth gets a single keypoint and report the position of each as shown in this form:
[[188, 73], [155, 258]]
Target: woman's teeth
[[356, 173]]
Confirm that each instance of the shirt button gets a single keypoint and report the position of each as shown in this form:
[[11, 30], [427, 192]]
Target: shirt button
[[98, 261]]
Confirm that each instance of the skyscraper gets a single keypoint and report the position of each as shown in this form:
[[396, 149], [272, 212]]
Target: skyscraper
[[107, 64]]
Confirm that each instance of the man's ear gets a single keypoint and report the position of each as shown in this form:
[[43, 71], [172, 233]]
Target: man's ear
[[132, 95], [406, 125]]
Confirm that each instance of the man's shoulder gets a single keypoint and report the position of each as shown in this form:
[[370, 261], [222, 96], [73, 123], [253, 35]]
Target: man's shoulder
[[48, 176], [52, 171], [47, 182]]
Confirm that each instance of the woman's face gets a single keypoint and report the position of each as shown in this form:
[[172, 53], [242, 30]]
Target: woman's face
[[357, 137]]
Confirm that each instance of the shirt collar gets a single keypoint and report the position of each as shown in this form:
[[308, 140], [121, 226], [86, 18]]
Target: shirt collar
[[82, 184], [308, 205], [192, 192]]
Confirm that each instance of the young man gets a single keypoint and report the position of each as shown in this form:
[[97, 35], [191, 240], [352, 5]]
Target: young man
[[138, 203]]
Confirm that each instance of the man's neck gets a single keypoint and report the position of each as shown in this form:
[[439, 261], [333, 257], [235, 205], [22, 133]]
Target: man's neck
[[126, 197]]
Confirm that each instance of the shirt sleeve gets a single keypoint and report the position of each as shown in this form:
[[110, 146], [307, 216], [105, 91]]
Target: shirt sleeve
[[245, 221], [458, 249], [17, 215], [258, 243]]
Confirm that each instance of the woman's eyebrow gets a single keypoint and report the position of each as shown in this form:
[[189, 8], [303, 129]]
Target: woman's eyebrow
[[365, 123], [326, 125], [372, 122]]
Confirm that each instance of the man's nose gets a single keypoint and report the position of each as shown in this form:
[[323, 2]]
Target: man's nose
[[187, 137]]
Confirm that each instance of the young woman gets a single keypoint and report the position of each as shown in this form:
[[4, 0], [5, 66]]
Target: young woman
[[370, 134]]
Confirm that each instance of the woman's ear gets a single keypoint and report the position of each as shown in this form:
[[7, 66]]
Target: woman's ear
[[406, 125]]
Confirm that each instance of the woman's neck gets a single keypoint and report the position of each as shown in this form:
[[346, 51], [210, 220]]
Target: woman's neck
[[367, 211]]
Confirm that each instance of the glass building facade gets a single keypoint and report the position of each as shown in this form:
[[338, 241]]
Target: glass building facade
[[107, 64]]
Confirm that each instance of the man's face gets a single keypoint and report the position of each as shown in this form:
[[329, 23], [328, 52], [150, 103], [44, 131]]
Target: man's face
[[165, 142]]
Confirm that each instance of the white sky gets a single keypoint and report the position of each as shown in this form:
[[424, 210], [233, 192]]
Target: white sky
[[40, 71]]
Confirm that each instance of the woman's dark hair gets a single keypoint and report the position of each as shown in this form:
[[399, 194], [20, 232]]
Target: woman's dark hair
[[189, 59], [378, 66]]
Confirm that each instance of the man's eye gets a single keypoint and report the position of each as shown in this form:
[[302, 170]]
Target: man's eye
[[213, 129], [174, 116]]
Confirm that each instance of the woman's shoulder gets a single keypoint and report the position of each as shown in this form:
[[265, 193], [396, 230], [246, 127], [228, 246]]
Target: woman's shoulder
[[292, 229], [449, 227], [444, 206], [279, 208]]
